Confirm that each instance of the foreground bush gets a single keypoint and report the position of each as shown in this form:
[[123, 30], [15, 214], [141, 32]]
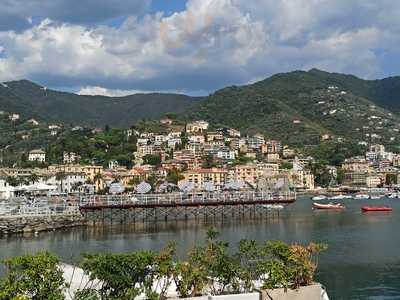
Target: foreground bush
[[209, 268], [36, 277]]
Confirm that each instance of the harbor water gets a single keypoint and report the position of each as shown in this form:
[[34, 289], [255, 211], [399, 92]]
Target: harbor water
[[362, 262]]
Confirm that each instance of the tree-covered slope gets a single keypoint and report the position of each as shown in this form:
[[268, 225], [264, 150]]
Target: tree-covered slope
[[32, 100], [299, 107]]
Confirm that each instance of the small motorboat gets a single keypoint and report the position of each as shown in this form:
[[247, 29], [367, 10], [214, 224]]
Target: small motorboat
[[361, 196], [273, 206], [337, 197], [328, 206], [375, 208], [375, 197], [317, 198], [392, 196]]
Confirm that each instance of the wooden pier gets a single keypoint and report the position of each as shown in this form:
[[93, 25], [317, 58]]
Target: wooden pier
[[180, 206]]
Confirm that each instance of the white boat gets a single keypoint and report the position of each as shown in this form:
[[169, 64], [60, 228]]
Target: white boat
[[337, 197], [375, 197], [321, 197], [347, 197], [361, 196], [391, 196], [273, 206]]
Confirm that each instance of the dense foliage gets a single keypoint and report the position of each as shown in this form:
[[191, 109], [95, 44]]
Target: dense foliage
[[210, 268], [98, 148], [36, 277]]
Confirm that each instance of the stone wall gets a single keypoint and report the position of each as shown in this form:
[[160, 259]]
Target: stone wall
[[36, 223]]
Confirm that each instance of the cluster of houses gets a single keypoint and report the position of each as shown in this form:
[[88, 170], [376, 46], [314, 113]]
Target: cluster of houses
[[191, 148], [197, 154], [376, 168]]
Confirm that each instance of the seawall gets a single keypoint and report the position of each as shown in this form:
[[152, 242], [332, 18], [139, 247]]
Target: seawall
[[37, 223]]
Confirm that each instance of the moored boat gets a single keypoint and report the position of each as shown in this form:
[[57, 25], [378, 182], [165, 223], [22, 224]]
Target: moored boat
[[328, 206], [376, 208], [273, 206], [341, 196], [321, 197], [337, 197], [361, 196]]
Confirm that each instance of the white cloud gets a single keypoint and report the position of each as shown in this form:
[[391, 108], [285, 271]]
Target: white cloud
[[210, 44], [101, 91]]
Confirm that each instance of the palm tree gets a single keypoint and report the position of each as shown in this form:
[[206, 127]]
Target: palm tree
[[60, 176], [97, 179], [33, 178]]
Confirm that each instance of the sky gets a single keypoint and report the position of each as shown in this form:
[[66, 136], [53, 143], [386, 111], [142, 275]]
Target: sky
[[118, 47]]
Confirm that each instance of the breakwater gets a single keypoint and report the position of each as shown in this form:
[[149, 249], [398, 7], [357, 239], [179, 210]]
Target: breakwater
[[37, 223]]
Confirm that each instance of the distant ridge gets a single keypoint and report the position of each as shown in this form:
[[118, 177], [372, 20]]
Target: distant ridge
[[33, 100]]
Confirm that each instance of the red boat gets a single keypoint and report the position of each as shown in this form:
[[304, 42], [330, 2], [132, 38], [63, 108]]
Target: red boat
[[327, 206], [375, 208]]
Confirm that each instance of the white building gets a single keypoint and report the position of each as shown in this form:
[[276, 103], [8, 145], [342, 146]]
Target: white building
[[233, 132], [197, 126], [14, 117], [255, 142], [226, 154], [174, 134], [37, 155], [113, 164], [70, 157], [160, 138], [33, 122], [197, 139], [6, 191], [172, 143], [69, 183]]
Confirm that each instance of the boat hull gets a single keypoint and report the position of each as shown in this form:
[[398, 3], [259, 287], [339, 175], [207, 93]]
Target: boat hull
[[327, 206], [376, 208]]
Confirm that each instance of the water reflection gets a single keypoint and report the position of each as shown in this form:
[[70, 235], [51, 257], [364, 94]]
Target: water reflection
[[362, 261]]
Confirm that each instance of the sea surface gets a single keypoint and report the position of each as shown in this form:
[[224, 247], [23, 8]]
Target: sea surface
[[362, 262]]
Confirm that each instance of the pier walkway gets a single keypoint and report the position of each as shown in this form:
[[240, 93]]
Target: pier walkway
[[154, 207], [150, 207]]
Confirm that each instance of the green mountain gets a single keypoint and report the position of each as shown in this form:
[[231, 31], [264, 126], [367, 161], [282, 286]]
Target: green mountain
[[383, 92], [32, 100], [299, 107]]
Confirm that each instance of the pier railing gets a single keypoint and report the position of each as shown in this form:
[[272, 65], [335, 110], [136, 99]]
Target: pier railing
[[184, 199], [74, 205], [22, 210]]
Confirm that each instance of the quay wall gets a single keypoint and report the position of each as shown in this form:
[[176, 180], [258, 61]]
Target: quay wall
[[37, 223]]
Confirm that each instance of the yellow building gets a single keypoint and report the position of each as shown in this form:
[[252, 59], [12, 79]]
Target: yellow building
[[94, 173], [356, 164], [200, 176], [246, 173]]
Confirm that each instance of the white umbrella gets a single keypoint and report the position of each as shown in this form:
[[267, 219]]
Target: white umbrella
[[143, 187], [186, 186], [116, 188]]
